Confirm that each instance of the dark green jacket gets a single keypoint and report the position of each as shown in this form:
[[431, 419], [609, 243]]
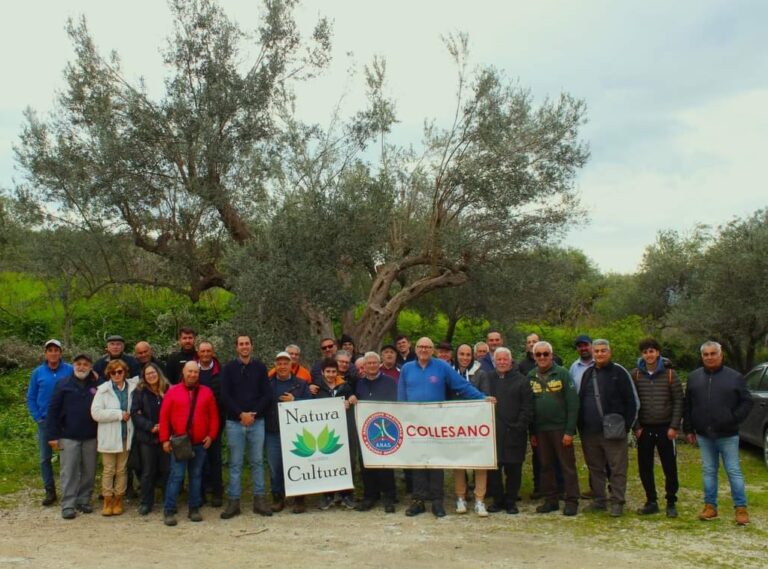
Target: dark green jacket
[[555, 401]]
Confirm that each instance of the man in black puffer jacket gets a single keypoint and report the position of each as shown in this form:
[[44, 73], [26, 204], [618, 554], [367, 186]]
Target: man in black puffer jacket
[[716, 402], [658, 422]]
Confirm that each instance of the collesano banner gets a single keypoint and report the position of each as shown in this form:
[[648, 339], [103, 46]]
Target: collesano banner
[[452, 434], [315, 446]]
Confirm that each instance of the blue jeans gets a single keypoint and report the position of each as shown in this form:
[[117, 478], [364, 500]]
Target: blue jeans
[[275, 457], [46, 453], [176, 477], [711, 450], [239, 439]]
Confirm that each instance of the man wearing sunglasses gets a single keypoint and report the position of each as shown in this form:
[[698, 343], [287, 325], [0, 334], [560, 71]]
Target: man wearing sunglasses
[[556, 408], [328, 349]]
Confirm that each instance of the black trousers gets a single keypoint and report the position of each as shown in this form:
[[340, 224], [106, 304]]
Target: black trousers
[[155, 465], [428, 484], [379, 482], [655, 438], [504, 492], [212, 480]]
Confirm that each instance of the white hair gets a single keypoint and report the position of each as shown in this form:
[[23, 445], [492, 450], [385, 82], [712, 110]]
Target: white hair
[[711, 344], [501, 350], [542, 344], [373, 356]]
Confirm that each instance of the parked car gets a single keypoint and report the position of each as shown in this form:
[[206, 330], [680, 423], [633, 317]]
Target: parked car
[[754, 429]]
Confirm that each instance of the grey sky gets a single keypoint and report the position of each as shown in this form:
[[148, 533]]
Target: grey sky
[[677, 91]]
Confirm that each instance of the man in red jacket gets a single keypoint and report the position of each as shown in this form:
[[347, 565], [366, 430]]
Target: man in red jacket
[[188, 407]]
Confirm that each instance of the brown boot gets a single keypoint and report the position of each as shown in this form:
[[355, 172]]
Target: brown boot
[[742, 517], [107, 509], [299, 506], [260, 506], [278, 503], [708, 513], [117, 506]]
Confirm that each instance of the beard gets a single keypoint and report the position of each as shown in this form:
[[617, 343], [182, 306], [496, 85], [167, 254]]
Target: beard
[[82, 374]]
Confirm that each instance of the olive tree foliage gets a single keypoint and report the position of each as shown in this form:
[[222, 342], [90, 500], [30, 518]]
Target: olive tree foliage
[[183, 176], [358, 239], [726, 298]]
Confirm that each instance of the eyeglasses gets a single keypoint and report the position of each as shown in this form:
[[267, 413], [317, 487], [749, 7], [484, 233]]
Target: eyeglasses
[[423, 347], [117, 372], [327, 347], [541, 354]]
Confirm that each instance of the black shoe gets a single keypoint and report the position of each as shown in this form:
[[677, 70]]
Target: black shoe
[[536, 495], [144, 510], [216, 502], [648, 508], [365, 505], [194, 515], [571, 509], [389, 508], [494, 508], [68, 513], [260, 506], [169, 518], [50, 496], [617, 510], [84, 508], [671, 511], [512, 509], [438, 509], [547, 507], [416, 508], [595, 507]]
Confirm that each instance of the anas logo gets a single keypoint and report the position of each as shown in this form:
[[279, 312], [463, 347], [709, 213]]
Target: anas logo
[[382, 434], [306, 444]]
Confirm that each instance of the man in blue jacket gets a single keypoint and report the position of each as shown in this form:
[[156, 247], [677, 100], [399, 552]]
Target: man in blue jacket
[[43, 381], [426, 379], [716, 402], [72, 431]]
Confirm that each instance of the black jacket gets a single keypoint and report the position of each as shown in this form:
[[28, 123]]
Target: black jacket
[[145, 413], [514, 411], [661, 396], [716, 402], [616, 396], [69, 412], [175, 363]]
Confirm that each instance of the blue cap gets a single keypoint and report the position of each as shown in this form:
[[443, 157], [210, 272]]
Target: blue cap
[[583, 339]]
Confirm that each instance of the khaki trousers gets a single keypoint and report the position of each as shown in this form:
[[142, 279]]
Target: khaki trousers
[[114, 477], [460, 483]]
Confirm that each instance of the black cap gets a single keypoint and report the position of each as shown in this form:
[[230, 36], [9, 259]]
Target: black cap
[[583, 339], [346, 338], [82, 357], [388, 347], [444, 345]]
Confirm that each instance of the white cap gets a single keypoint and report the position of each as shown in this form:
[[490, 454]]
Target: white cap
[[285, 355], [52, 342]]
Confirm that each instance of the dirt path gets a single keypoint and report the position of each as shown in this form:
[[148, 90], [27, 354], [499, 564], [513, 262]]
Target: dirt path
[[39, 538]]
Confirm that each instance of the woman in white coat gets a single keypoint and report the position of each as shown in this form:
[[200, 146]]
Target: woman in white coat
[[111, 410]]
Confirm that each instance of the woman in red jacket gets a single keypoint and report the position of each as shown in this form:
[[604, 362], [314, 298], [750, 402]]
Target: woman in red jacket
[[188, 407]]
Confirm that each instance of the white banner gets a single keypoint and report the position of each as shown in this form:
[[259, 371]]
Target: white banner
[[453, 434], [315, 446]]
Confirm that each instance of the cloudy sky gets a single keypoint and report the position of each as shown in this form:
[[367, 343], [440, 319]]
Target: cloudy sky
[[677, 92]]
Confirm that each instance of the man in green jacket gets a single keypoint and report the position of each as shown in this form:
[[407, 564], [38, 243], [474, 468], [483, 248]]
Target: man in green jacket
[[556, 408]]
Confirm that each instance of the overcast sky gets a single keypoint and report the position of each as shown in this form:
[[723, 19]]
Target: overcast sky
[[677, 92]]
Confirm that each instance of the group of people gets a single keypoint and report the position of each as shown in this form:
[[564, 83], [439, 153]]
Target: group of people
[[165, 420]]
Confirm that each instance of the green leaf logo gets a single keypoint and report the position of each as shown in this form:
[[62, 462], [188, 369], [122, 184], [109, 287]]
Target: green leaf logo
[[328, 442], [305, 444]]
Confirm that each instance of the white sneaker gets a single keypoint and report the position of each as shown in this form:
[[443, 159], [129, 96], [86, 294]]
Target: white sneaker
[[480, 509], [461, 506]]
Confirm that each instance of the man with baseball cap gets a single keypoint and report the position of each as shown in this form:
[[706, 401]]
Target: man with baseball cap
[[116, 351], [42, 382], [72, 431]]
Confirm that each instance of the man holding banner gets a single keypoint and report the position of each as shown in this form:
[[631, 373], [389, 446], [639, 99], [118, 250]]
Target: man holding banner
[[426, 380], [376, 386]]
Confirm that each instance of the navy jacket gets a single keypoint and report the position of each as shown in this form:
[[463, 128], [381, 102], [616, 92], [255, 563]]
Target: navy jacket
[[145, 413], [716, 402], [69, 413], [298, 387], [383, 388], [245, 388], [134, 367], [617, 395]]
